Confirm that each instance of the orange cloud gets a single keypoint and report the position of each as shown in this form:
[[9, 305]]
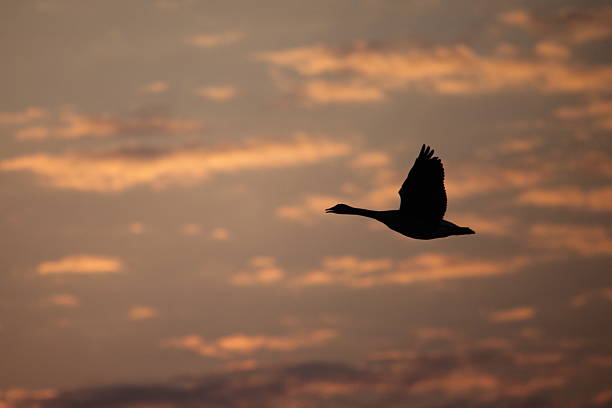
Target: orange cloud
[[191, 229], [262, 270], [121, 169], [64, 299], [136, 228], [14, 397], [534, 385], [214, 40], [458, 382], [324, 92], [220, 234], [371, 160], [512, 315], [218, 93], [585, 298], [82, 264], [448, 70], [352, 271], [237, 344], [72, 125], [29, 114], [584, 240], [141, 313], [156, 87], [551, 49], [599, 111], [597, 199], [577, 25]]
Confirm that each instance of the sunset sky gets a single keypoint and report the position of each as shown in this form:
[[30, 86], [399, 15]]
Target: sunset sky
[[165, 166]]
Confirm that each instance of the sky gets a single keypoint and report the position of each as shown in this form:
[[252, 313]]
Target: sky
[[165, 166]]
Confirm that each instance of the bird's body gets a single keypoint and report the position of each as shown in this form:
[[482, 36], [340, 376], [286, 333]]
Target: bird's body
[[423, 203]]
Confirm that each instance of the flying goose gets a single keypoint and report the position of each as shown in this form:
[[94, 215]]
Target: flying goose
[[423, 203]]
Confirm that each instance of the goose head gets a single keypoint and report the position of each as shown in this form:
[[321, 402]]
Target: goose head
[[339, 209]]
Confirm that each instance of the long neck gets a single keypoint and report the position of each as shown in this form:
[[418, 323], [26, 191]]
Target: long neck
[[363, 212]]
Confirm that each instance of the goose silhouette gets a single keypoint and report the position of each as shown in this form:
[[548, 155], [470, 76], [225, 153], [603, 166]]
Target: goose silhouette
[[422, 206]]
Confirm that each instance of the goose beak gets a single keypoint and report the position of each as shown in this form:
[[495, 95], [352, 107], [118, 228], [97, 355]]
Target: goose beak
[[329, 210]]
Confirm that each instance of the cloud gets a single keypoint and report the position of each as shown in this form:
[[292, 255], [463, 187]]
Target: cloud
[[550, 49], [14, 397], [82, 264], [262, 270], [587, 297], [136, 228], [434, 267], [141, 313], [121, 169], [214, 40], [371, 160], [574, 25], [326, 92], [597, 111], [596, 199], [603, 397], [584, 240], [28, 115], [239, 344], [536, 384], [420, 380], [218, 93], [352, 271], [220, 234], [155, 87], [600, 360], [72, 125], [191, 229], [447, 70], [64, 299], [515, 314]]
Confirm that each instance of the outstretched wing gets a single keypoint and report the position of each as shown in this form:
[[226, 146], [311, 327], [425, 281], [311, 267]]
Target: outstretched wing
[[422, 194]]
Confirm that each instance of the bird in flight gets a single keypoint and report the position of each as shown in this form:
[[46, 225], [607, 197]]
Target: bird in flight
[[422, 206]]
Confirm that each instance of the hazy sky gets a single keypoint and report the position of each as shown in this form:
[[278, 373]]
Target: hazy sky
[[165, 166]]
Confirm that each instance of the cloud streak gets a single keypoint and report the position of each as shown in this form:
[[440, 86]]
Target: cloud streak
[[220, 93], [355, 272], [82, 264], [29, 114], [121, 169], [70, 124], [597, 199], [515, 314], [214, 40], [424, 380], [580, 239], [240, 344], [574, 25], [444, 69]]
